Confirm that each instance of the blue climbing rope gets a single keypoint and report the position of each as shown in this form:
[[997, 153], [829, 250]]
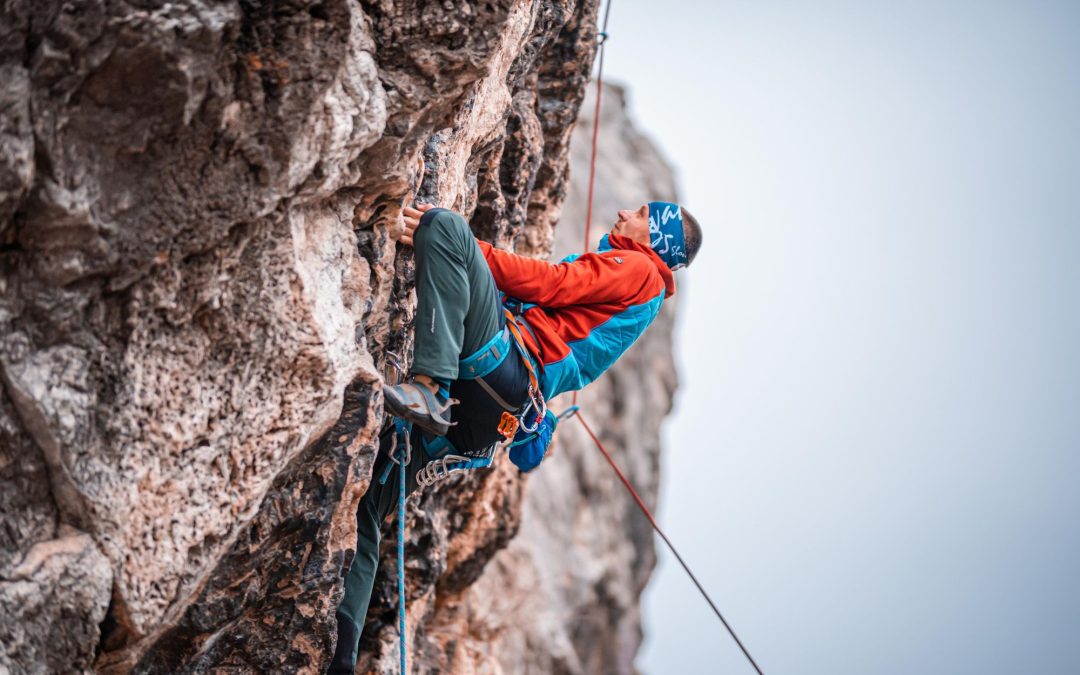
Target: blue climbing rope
[[403, 461], [401, 563]]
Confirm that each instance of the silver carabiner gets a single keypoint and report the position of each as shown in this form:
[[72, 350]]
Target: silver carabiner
[[541, 409], [392, 368]]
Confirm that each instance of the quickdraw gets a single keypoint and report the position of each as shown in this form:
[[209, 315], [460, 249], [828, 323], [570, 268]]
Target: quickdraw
[[444, 467]]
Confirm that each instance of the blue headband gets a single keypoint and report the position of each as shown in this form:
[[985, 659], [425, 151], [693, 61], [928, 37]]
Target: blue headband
[[666, 233]]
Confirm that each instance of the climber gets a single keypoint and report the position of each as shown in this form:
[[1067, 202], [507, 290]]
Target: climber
[[570, 322]]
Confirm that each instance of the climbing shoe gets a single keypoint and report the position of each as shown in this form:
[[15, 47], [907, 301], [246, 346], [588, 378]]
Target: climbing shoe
[[417, 404]]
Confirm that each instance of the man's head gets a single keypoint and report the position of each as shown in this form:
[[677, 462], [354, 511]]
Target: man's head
[[652, 224]]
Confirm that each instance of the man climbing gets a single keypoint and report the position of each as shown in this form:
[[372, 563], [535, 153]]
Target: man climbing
[[497, 334]]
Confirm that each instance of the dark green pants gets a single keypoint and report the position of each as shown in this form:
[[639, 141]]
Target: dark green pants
[[377, 503], [457, 304], [458, 312]]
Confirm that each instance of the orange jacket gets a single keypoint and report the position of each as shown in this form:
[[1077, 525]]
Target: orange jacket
[[585, 311]]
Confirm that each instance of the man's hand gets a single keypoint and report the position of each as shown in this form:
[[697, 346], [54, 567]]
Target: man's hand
[[412, 221]]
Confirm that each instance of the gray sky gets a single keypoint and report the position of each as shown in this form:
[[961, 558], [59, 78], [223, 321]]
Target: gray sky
[[873, 461]]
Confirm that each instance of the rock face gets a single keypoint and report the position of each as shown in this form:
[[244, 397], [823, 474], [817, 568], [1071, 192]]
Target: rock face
[[199, 284]]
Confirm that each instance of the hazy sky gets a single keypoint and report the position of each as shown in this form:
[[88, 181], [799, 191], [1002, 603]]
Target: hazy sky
[[874, 461]]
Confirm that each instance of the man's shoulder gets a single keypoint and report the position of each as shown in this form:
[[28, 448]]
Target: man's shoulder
[[630, 262]]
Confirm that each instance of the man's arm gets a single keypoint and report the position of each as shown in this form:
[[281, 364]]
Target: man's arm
[[591, 279]]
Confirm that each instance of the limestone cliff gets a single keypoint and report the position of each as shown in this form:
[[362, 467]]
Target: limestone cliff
[[199, 283]]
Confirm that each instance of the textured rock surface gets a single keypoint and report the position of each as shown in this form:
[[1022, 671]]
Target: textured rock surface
[[198, 285]]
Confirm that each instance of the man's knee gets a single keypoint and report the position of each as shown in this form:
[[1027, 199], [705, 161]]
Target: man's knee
[[443, 226]]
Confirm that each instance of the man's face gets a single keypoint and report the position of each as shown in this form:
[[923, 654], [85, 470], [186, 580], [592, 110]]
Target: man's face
[[634, 224]]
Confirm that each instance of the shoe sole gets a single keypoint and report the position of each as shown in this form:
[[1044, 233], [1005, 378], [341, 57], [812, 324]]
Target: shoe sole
[[400, 410]]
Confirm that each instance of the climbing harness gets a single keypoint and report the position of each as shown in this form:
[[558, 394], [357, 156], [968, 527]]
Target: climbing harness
[[489, 357], [513, 419]]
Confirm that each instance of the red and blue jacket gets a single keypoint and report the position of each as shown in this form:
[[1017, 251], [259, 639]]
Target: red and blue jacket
[[585, 311]]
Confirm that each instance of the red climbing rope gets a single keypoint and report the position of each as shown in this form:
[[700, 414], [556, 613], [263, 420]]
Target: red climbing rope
[[592, 161], [595, 132], [574, 409], [656, 526]]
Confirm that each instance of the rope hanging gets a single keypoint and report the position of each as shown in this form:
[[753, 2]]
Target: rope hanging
[[401, 560], [603, 37], [671, 547]]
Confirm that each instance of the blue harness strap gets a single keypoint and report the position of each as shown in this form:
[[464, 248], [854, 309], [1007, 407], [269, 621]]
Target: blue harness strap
[[437, 447], [487, 358], [518, 309]]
